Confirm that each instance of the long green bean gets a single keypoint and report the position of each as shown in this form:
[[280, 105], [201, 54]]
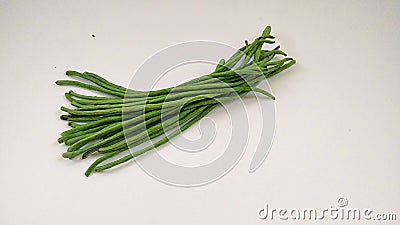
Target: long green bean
[[122, 118]]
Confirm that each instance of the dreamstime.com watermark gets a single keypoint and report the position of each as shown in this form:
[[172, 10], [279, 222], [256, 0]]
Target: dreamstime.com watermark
[[341, 211]]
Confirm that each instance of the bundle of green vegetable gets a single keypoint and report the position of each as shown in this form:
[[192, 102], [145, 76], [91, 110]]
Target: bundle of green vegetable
[[109, 126]]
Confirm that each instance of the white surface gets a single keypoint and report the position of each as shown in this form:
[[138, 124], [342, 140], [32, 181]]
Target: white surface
[[337, 109]]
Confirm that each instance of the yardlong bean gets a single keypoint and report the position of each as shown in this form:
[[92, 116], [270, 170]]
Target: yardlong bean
[[121, 118]]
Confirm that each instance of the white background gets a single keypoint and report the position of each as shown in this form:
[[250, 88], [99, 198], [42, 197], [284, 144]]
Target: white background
[[338, 123]]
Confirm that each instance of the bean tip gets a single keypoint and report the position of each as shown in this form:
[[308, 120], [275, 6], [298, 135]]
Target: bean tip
[[60, 140], [67, 155], [266, 32], [64, 117], [72, 73], [63, 108]]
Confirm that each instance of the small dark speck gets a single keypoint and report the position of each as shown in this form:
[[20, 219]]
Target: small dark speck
[[55, 67], [93, 36]]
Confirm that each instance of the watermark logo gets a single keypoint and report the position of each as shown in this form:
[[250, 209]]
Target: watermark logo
[[340, 211], [342, 202], [235, 134]]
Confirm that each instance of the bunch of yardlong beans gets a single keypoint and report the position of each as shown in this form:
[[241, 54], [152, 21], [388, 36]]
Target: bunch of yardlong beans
[[109, 126]]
